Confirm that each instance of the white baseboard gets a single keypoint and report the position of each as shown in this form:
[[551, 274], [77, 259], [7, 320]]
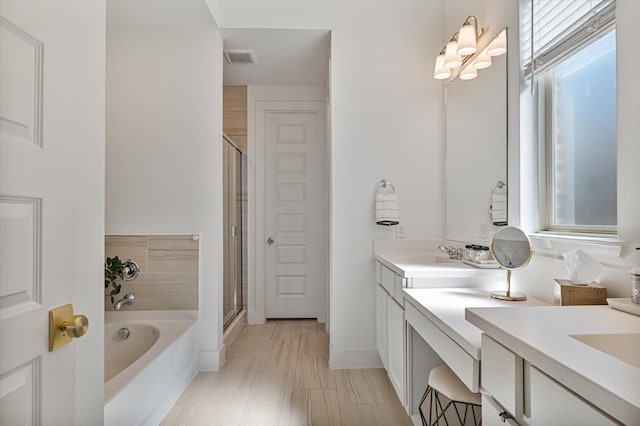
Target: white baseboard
[[354, 359], [210, 360]]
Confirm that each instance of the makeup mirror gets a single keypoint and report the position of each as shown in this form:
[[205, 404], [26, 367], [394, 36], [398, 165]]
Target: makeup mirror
[[512, 249]]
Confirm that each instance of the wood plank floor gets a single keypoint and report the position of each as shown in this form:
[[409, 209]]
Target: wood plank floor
[[277, 374]]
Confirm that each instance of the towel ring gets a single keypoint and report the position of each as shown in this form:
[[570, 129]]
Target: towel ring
[[499, 185], [385, 184]]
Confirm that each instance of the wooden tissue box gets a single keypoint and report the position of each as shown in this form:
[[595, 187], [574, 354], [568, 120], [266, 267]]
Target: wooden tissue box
[[566, 293]]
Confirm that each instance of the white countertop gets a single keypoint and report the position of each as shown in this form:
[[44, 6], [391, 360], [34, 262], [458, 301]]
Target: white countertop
[[445, 307], [542, 336], [430, 265]]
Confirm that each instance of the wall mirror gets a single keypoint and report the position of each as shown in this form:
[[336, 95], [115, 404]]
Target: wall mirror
[[512, 249], [476, 154]]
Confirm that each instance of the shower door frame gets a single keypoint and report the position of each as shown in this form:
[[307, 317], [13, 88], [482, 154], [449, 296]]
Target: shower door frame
[[235, 255]]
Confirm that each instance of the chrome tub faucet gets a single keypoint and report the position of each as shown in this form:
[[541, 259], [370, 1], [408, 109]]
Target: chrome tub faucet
[[128, 299]]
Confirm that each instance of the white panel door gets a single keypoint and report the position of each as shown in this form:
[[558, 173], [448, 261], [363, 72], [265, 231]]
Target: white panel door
[[45, 126], [296, 210]]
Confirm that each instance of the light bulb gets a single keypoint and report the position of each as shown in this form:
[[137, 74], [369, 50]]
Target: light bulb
[[469, 73], [467, 40], [441, 72], [499, 45], [483, 60], [451, 57]]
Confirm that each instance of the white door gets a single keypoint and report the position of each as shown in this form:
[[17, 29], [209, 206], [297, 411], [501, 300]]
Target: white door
[[296, 209], [51, 208]]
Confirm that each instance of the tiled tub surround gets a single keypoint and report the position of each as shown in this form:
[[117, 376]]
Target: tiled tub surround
[[168, 277]]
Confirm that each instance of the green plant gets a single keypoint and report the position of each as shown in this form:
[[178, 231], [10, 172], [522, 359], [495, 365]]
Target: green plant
[[112, 267]]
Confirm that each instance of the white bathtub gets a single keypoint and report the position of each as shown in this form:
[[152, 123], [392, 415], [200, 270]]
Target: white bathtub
[[146, 373]]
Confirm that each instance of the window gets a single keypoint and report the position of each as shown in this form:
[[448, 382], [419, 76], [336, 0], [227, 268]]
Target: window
[[574, 73]]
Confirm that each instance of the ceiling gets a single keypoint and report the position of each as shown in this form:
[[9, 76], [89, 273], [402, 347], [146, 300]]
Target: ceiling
[[291, 57]]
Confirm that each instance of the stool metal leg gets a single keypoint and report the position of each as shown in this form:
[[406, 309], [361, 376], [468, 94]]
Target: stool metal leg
[[436, 409]]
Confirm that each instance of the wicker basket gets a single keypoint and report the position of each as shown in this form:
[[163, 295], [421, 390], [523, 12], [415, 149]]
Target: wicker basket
[[566, 293]]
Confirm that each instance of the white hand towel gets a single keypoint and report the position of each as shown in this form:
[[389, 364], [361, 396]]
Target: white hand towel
[[499, 209], [387, 210]]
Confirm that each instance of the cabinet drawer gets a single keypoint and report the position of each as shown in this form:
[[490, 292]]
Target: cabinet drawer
[[553, 404], [387, 280], [464, 365], [502, 375], [399, 284]]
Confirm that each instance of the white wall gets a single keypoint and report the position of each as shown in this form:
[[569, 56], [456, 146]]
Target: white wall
[[164, 130], [386, 124]]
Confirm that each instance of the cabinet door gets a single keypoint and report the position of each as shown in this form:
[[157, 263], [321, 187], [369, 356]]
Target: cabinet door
[[396, 344], [502, 375], [553, 404], [493, 414], [381, 324]]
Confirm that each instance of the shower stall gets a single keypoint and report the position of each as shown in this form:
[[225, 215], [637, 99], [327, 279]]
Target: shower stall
[[234, 299]]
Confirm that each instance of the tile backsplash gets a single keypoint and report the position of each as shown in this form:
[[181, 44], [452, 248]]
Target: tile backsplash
[[168, 277]]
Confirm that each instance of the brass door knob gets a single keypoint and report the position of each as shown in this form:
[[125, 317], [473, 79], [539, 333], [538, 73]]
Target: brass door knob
[[64, 326], [76, 327]]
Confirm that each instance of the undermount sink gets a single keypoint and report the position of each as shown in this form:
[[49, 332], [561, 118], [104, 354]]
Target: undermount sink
[[623, 346]]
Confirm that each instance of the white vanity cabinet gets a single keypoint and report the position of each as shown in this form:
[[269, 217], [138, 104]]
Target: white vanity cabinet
[[517, 392], [391, 328]]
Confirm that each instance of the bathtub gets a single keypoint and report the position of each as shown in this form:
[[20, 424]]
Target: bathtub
[[146, 372]]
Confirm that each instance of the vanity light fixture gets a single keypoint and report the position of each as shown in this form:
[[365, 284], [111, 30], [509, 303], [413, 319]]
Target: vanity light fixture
[[461, 46], [462, 49]]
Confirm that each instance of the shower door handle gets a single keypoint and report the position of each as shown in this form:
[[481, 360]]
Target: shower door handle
[[270, 241]]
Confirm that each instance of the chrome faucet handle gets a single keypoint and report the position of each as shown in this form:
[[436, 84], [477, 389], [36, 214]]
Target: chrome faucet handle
[[459, 253]]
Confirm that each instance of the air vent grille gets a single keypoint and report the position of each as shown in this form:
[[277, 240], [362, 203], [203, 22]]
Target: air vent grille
[[240, 56]]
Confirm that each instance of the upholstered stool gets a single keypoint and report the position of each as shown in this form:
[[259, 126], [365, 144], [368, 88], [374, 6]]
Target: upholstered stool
[[444, 382]]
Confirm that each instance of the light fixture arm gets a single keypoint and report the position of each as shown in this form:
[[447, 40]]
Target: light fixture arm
[[475, 25]]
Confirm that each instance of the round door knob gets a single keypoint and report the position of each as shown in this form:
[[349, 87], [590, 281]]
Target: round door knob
[[270, 241], [77, 327]]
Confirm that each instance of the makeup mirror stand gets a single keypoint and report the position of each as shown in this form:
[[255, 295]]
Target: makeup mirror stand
[[508, 295]]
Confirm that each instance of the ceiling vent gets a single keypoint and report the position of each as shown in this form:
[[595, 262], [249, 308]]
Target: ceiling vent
[[240, 57]]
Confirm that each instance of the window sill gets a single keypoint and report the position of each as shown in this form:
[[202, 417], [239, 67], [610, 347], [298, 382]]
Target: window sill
[[555, 244]]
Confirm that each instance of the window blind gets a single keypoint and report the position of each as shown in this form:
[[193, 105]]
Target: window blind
[[560, 27]]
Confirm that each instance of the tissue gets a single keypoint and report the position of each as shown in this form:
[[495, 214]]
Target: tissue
[[583, 269]]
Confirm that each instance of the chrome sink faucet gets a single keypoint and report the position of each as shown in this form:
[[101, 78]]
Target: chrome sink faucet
[[128, 299], [454, 253]]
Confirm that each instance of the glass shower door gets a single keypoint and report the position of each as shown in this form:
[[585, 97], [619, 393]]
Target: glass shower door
[[232, 240]]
